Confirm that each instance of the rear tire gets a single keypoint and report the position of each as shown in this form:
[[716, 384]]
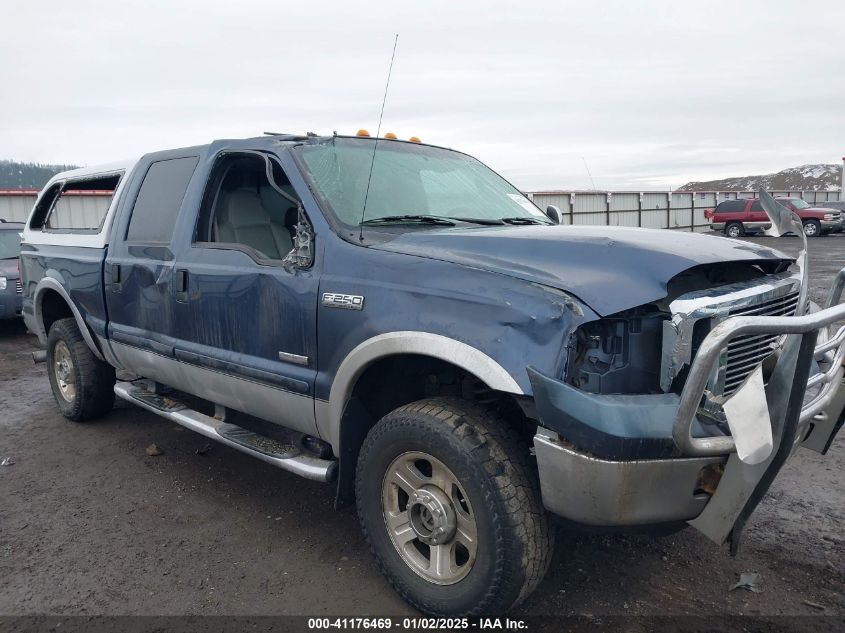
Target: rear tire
[[491, 492], [735, 229], [812, 228], [82, 384]]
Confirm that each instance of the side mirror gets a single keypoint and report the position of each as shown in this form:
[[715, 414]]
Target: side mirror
[[554, 214]]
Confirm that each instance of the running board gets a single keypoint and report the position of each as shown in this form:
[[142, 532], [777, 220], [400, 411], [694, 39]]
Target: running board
[[285, 456]]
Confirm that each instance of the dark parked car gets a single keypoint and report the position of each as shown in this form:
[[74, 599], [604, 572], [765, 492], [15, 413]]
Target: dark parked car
[[839, 205], [746, 216], [10, 278]]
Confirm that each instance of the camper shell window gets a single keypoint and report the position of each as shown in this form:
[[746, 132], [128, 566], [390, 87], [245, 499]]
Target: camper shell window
[[77, 206]]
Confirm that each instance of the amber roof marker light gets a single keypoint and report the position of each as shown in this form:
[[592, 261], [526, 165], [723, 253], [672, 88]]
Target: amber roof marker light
[[375, 145], [362, 132], [415, 139], [391, 136]]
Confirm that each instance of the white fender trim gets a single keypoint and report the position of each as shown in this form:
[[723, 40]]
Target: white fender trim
[[53, 284], [444, 348]]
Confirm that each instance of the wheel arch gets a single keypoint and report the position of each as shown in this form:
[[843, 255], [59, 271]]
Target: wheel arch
[[51, 302], [345, 419]]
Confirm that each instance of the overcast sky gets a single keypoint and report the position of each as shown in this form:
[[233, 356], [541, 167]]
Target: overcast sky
[[648, 94]]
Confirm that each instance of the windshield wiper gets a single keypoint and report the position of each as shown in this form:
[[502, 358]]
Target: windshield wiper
[[482, 221], [523, 220], [400, 219]]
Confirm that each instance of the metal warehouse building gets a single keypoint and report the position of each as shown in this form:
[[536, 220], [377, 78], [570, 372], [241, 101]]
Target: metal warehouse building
[[682, 210], [79, 208]]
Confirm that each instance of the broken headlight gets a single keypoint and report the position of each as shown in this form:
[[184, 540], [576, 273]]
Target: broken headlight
[[619, 354]]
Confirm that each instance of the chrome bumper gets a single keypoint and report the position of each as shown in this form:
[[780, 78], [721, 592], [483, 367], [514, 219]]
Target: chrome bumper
[[603, 492], [706, 481]]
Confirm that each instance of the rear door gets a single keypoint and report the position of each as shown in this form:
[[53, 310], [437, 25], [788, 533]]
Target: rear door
[[757, 215], [729, 211], [140, 263]]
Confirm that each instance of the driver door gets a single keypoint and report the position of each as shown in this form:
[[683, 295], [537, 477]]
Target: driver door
[[246, 319]]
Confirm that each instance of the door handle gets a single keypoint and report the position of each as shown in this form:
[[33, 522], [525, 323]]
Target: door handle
[[116, 277], [182, 281]]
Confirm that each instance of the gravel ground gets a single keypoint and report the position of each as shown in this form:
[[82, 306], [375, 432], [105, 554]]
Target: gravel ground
[[90, 524]]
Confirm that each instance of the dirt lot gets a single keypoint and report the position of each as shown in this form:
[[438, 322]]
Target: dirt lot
[[89, 524]]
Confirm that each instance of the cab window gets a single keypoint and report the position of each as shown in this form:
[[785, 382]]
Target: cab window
[[159, 200]]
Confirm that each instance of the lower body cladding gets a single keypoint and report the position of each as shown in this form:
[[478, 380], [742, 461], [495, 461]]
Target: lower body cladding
[[626, 461]]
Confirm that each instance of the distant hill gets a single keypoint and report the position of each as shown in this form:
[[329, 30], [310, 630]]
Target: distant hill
[[819, 177], [14, 175]]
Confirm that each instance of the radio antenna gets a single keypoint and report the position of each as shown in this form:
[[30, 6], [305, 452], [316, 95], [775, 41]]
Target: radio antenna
[[375, 146], [589, 173]]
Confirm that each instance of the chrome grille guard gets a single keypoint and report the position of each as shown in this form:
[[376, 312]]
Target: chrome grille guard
[[816, 347], [829, 354]]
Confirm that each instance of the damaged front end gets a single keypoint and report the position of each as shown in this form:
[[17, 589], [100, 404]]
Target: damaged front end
[[687, 408]]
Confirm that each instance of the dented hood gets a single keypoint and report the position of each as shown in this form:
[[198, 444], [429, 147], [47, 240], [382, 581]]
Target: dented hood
[[608, 268]]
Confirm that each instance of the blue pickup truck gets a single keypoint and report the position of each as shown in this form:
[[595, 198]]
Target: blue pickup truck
[[397, 319]]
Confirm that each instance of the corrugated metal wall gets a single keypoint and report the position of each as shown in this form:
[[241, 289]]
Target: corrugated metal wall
[[76, 211], [15, 208], [682, 210], [79, 212], [650, 209]]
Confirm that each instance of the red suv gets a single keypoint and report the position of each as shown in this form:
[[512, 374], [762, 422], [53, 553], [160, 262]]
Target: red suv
[[740, 217]]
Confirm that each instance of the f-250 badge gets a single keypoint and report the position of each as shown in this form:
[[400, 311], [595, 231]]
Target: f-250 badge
[[346, 302]]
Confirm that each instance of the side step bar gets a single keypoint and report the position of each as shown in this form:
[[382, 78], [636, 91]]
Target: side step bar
[[270, 450]]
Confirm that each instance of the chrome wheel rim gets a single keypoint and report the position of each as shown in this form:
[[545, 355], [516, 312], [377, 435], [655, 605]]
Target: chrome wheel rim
[[809, 229], [429, 518], [733, 231], [64, 371]]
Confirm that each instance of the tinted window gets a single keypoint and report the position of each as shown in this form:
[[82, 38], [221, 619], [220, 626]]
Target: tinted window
[[10, 243], [731, 206], [159, 200], [757, 206]]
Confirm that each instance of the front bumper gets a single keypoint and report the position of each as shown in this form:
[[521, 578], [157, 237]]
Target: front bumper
[[639, 460], [10, 301], [605, 492]]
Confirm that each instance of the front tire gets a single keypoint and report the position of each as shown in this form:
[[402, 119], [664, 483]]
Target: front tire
[[812, 228], [449, 502], [82, 384]]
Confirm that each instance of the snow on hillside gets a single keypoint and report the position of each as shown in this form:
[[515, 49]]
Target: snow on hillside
[[821, 177]]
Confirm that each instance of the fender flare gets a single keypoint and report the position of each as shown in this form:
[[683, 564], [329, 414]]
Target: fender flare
[[366, 353], [51, 283]]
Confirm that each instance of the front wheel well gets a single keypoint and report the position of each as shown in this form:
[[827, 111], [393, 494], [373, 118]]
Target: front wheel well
[[394, 381]]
